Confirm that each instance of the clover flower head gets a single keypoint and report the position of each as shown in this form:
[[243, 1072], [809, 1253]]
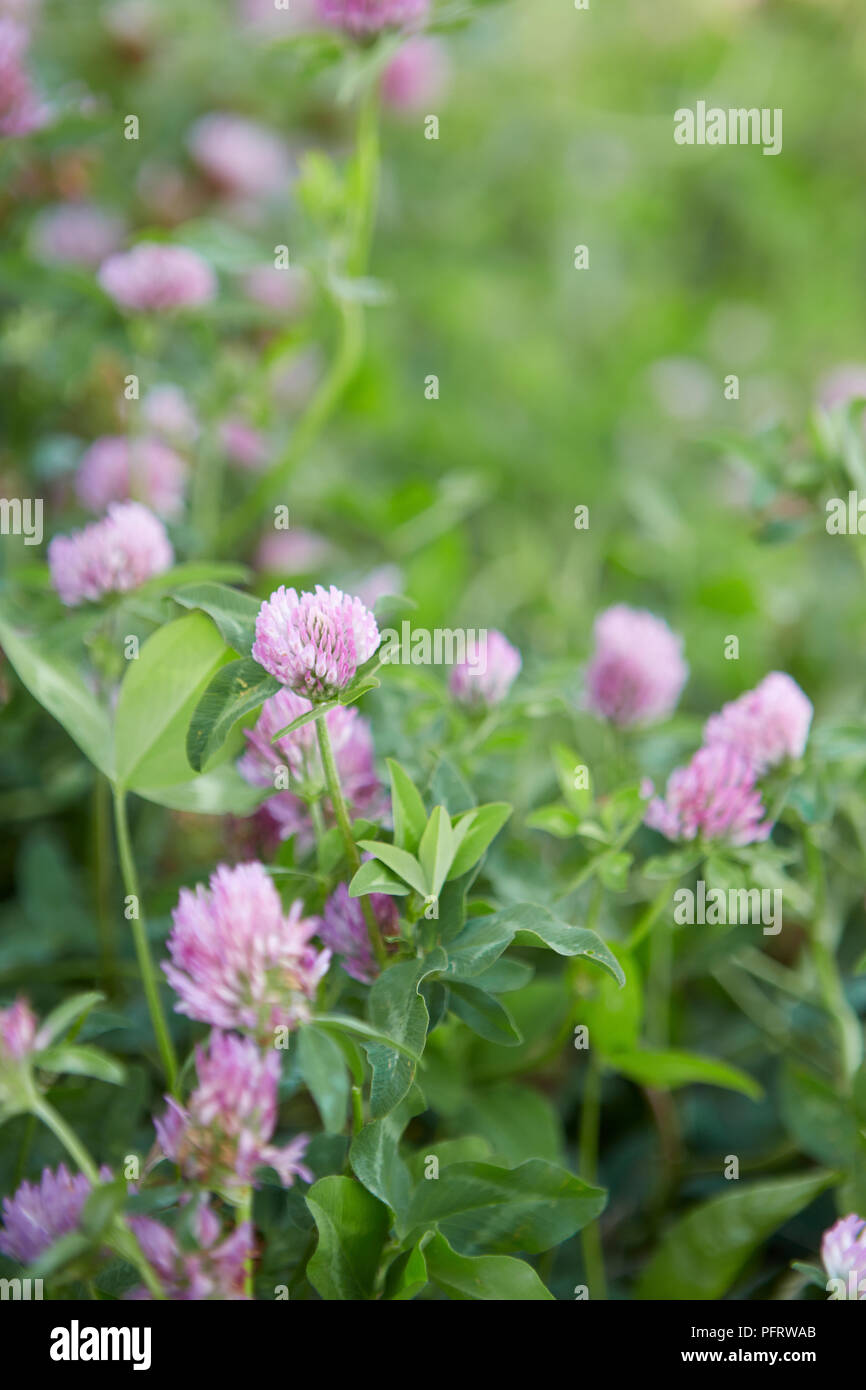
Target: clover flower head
[[75, 234], [714, 797], [636, 671], [242, 444], [487, 682], [237, 959], [17, 1031], [361, 18], [154, 277], [344, 930], [843, 1252], [113, 555], [314, 642], [167, 413], [223, 1134], [40, 1213], [115, 469], [21, 110], [214, 1270], [767, 725], [240, 156], [416, 75]]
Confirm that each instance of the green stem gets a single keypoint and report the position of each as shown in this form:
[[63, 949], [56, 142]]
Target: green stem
[[590, 1125], [335, 791], [350, 340], [245, 1213], [142, 949], [651, 915], [121, 1237], [848, 1027], [593, 865], [102, 882]]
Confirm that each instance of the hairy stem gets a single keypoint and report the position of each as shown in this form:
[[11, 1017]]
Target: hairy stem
[[142, 949]]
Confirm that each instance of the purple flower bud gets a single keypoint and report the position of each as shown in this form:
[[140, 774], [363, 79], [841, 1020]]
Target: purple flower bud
[[115, 469], [156, 276], [416, 75], [314, 643], [224, 1134], [767, 724], [637, 671], [843, 1251], [110, 556], [714, 797], [21, 111], [488, 682], [344, 930], [215, 1270], [240, 961], [17, 1031]]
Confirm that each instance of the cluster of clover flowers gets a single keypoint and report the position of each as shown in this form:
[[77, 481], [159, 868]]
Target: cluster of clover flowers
[[247, 967]]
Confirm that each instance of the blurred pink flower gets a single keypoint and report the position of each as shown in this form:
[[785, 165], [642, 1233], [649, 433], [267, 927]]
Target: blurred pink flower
[[767, 724], [298, 752], [314, 642], [842, 385], [637, 671], [344, 930], [379, 583], [843, 1253], [113, 555], [166, 411], [40, 1213], [240, 156], [488, 682], [713, 797], [116, 468], [237, 959], [292, 552], [223, 1134], [215, 1269], [156, 276], [416, 76], [17, 1031], [362, 17], [75, 234], [284, 291], [21, 110], [242, 444]]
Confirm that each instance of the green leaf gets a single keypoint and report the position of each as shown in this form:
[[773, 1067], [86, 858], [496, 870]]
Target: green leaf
[[483, 940], [157, 698], [233, 612], [555, 819], [483, 1013], [323, 1069], [399, 861], [410, 818], [407, 1276], [483, 825], [236, 689], [60, 689], [436, 850], [517, 1121], [372, 877], [532, 1207], [220, 792], [614, 1013], [666, 1071], [317, 712], [61, 1019], [352, 1228], [822, 1122], [375, 1155], [492, 1278], [397, 1009], [674, 865], [566, 761], [345, 1023], [702, 1253], [81, 1060]]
